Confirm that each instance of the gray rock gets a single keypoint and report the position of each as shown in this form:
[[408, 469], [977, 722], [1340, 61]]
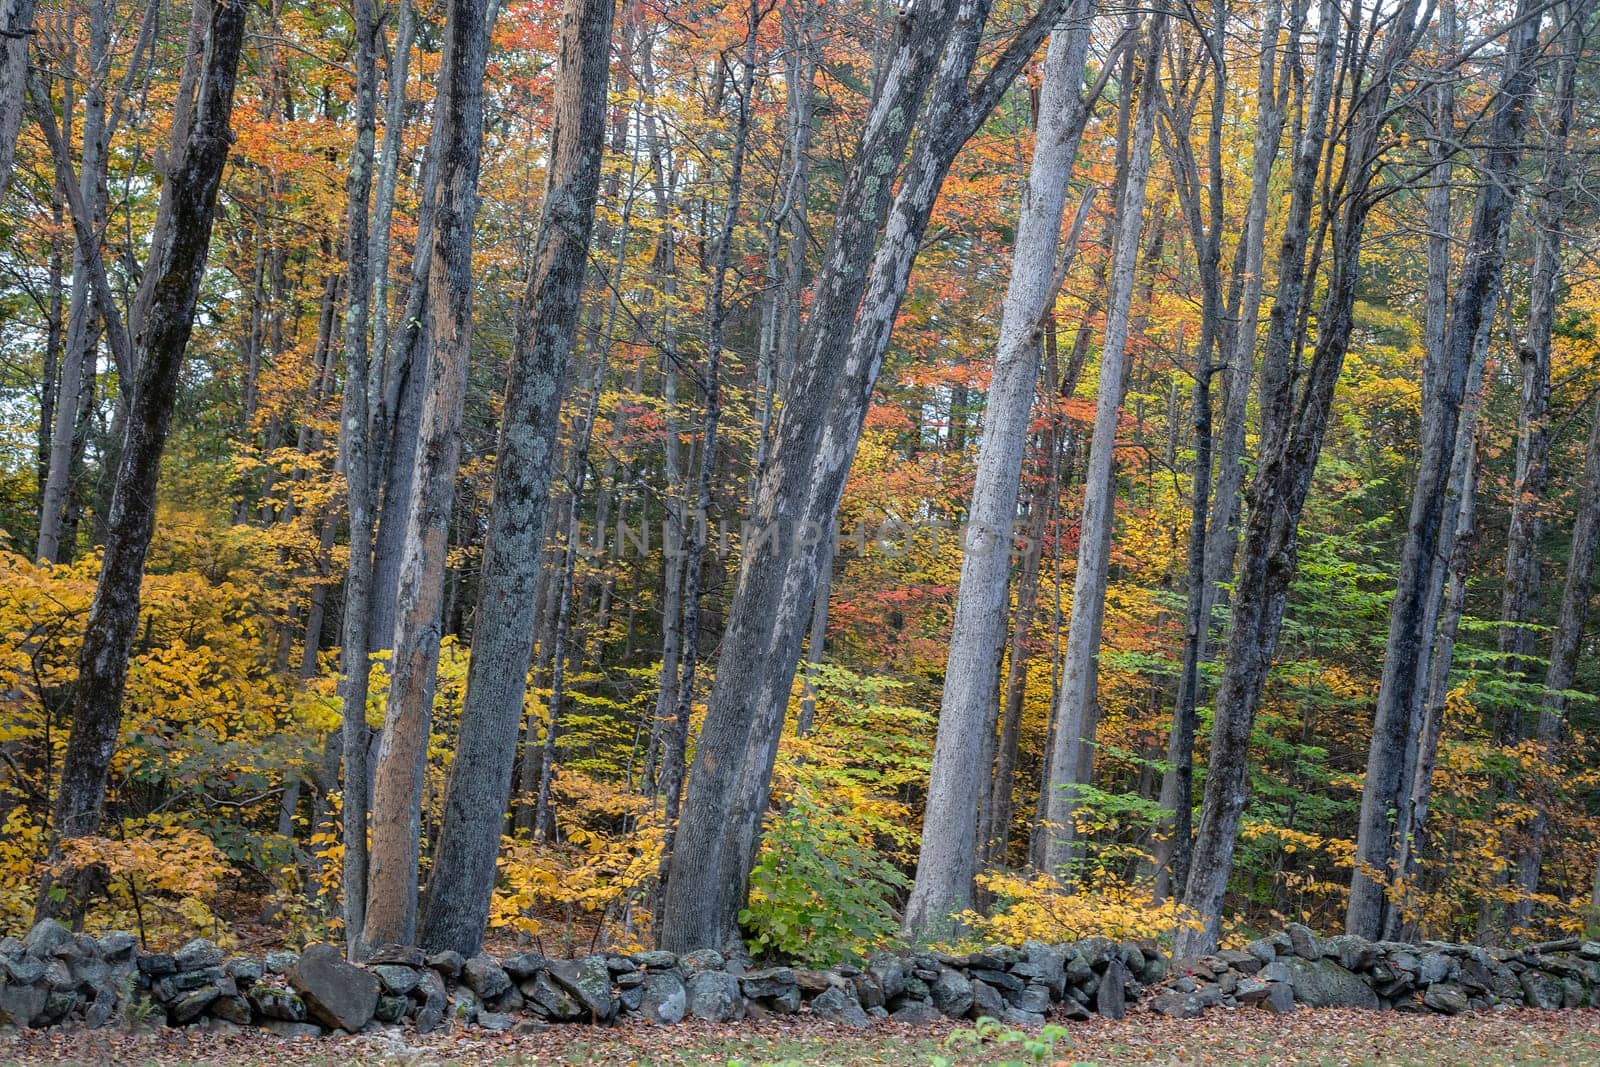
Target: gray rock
[[273, 1003], [1074, 1011], [1177, 1005], [58, 976], [396, 978], [1542, 991], [523, 965], [1276, 971], [1264, 950], [448, 963], [551, 1000], [46, 937], [631, 998], [706, 959], [714, 996], [664, 999], [434, 1002], [818, 981], [1322, 983], [952, 993], [1018, 1017], [23, 970], [118, 946], [494, 1021], [391, 1009], [785, 1003], [1305, 944], [999, 979], [589, 981], [768, 982], [20, 1005], [839, 1006], [1279, 999], [234, 1009], [916, 1013], [1034, 998], [464, 1006], [197, 955], [1446, 998], [1046, 966], [1590, 950], [1156, 967], [484, 976], [1434, 967], [869, 991], [336, 993], [1354, 952], [245, 970], [191, 1005], [1111, 999], [656, 961], [986, 1001], [275, 962], [1251, 991], [890, 971], [293, 1031], [1573, 995]]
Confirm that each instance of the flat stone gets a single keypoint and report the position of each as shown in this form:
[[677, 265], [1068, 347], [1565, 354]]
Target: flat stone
[[197, 955], [448, 963], [589, 981], [189, 1007], [23, 970], [664, 999], [401, 955], [1111, 999], [817, 981], [46, 937], [118, 946], [1279, 999], [1322, 983], [714, 997], [1177, 1005], [1032, 998], [998, 979], [656, 960], [523, 965], [1015, 1016], [952, 993], [434, 1001], [396, 978], [1434, 967], [245, 970], [293, 1031], [277, 962], [839, 1006], [337, 994], [768, 982], [281, 1004], [1445, 998], [1590, 950], [551, 1000], [1250, 991], [391, 1009], [890, 971], [1354, 952], [705, 959], [20, 1005], [484, 976], [916, 1013], [234, 1009], [495, 1022], [1542, 991]]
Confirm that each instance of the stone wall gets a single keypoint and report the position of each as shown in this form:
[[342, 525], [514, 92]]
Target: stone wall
[[54, 977]]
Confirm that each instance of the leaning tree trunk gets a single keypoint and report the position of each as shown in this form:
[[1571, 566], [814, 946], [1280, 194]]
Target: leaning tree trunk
[[1293, 424], [397, 783], [1399, 692], [355, 448], [179, 245], [16, 23], [1078, 705], [859, 289], [947, 859], [486, 744]]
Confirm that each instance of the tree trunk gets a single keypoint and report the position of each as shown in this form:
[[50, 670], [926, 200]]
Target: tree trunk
[[16, 23], [397, 784], [1078, 706], [858, 292], [947, 859], [1293, 423], [462, 882], [1399, 693], [179, 245]]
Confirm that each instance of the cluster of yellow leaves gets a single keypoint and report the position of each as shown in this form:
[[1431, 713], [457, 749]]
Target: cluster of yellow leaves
[[1040, 908], [589, 885], [162, 881]]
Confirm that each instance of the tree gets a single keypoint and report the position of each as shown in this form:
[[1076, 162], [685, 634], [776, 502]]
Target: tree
[[947, 860], [480, 777], [391, 909], [1387, 779], [180, 241]]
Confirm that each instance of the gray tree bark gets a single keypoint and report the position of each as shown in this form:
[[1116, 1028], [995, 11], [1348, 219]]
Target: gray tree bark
[[858, 291], [1400, 691], [16, 23], [1078, 705], [397, 783], [947, 859], [476, 795]]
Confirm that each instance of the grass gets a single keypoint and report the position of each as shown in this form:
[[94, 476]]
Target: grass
[[1247, 1039]]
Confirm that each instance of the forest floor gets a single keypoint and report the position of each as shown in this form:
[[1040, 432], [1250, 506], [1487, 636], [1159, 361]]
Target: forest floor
[[1323, 1038]]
